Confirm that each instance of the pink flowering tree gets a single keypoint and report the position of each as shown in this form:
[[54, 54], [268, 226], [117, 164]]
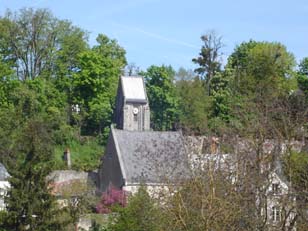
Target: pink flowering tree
[[112, 197]]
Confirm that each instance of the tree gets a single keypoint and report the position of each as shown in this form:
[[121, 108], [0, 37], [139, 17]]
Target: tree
[[30, 205], [7, 81], [221, 111], [295, 167], [261, 77], [262, 69], [27, 100], [303, 66], [194, 103], [302, 76], [141, 213], [199, 112], [209, 58], [162, 97], [33, 40], [208, 201], [95, 84], [276, 122]]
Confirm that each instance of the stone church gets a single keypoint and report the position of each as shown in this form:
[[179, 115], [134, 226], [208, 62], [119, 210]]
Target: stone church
[[134, 153]]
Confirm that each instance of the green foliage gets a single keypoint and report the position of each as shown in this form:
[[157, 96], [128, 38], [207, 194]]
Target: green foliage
[[296, 168], [30, 40], [303, 83], [261, 77], [46, 67], [95, 84], [262, 69], [85, 154], [30, 205], [303, 66], [201, 113], [194, 103], [141, 214], [162, 95], [221, 96], [6, 77], [302, 76], [99, 222]]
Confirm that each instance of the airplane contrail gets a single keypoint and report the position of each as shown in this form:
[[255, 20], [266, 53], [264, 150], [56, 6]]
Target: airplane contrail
[[157, 36]]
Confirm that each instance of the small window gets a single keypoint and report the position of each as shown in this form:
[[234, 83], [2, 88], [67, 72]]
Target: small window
[[275, 188], [276, 214], [135, 117]]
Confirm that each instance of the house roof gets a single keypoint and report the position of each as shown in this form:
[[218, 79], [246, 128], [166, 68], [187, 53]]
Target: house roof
[[133, 88], [151, 157], [3, 173]]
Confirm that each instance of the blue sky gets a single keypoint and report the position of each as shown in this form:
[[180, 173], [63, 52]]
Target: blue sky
[[168, 31]]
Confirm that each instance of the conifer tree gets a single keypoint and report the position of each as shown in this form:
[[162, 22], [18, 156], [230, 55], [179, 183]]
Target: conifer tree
[[30, 205]]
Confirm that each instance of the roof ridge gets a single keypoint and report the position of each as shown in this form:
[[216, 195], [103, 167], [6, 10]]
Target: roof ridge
[[147, 131]]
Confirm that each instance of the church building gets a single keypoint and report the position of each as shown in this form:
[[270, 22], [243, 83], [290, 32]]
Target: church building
[[134, 153]]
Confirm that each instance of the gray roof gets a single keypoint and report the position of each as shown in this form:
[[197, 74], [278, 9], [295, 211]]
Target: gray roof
[[3, 173], [151, 157], [133, 88]]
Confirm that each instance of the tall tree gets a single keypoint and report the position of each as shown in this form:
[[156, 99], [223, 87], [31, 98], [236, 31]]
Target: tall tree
[[95, 83], [31, 39], [262, 69], [30, 205], [194, 103], [261, 75], [162, 96], [302, 76], [209, 58]]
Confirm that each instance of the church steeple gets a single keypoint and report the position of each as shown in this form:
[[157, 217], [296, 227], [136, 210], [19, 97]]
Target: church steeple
[[132, 109]]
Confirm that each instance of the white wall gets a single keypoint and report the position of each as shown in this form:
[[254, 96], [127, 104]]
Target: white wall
[[4, 186]]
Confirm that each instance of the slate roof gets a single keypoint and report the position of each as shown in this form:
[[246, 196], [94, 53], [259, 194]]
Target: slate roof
[[3, 173], [151, 157], [133, 88]]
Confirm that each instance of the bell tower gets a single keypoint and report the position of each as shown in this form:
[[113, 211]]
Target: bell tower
[[132, 108]]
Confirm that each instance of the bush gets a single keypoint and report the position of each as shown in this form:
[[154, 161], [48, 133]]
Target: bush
[[111, 198], [141, 213]]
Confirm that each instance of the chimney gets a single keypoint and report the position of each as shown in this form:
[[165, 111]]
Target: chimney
[[67, 157]]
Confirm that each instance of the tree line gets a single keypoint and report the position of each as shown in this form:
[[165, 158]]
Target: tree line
[[57, 91]]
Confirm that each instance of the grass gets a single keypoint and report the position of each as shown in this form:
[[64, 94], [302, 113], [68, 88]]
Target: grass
[[85, 154]]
